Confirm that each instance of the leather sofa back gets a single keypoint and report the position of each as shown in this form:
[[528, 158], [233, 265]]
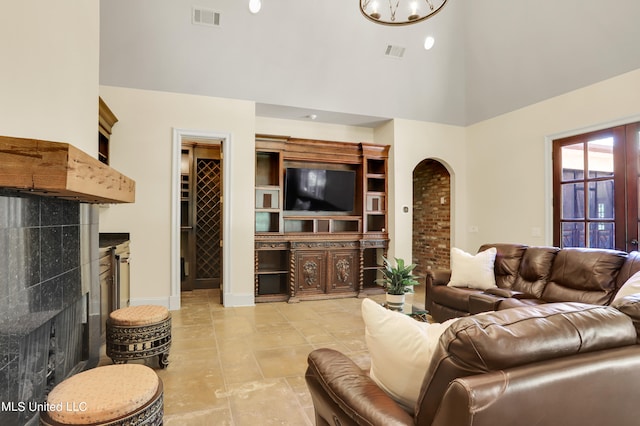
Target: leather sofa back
[[507, 263], [522, 268], [535, 270], [516, 337], [592, 389], [584, 275]]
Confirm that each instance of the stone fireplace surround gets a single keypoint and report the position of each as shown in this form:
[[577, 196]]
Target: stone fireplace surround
[[49, 298]]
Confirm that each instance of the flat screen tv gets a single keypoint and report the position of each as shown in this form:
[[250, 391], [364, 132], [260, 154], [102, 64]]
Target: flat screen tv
[[319, 190]]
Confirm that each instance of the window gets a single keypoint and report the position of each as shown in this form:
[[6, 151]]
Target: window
[[595, 185]]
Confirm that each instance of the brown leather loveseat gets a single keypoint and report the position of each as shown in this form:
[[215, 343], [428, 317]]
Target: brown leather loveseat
[[548, 364], [529, 276]]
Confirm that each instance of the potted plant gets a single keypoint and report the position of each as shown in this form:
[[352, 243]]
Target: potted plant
[[397, 281]]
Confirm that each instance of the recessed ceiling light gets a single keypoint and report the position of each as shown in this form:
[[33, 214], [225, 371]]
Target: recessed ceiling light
[[255, 5], [429, 42]]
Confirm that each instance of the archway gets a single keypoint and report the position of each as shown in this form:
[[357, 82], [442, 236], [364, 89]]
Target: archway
[[431, 240]]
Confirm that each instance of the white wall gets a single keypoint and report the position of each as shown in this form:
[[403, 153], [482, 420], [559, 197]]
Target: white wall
[[141, 148], [413, 142], [509, 158], [49, 71]]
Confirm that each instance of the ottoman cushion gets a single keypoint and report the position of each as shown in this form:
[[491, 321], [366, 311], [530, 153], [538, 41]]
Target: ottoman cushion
[[138, 315], [102, 394]]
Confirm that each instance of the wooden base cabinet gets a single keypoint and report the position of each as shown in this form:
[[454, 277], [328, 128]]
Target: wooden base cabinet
[[324, 269], [309, 274], [343, 270]]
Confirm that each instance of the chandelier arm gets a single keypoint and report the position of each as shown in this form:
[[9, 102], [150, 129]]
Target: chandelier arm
[[393, 11], [430, 4]]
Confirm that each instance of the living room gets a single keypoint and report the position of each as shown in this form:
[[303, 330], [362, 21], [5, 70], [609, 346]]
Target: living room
[[500, 162]]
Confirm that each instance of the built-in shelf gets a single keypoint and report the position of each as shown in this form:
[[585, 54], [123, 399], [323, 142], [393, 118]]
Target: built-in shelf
[[56, 169], [307, 224], [306, 255]]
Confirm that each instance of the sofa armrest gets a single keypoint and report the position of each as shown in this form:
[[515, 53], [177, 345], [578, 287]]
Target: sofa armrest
[[438, 277], [343, 391], [483, 302]]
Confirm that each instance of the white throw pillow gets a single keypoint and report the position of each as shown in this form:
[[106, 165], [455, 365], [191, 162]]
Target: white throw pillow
[[472, 271], [400, 349], [631, 286]]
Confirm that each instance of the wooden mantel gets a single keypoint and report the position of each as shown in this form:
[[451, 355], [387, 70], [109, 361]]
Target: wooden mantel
[[60, 170]]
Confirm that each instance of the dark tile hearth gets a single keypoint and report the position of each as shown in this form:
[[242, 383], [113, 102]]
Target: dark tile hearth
[[43, 301]]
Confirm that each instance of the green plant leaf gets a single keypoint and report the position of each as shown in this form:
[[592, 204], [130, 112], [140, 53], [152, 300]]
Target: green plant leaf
[[398, 279]]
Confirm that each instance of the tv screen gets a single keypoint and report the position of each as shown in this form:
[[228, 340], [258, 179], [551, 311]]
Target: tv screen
[[319, 190]]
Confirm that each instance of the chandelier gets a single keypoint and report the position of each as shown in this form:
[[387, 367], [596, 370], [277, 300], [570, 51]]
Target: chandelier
[[389, 12]]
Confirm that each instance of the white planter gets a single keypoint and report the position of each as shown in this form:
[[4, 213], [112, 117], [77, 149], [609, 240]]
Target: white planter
[[395, 302]]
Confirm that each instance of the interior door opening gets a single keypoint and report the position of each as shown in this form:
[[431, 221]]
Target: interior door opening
[[201, 214]]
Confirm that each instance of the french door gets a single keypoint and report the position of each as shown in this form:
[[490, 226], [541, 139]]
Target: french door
[[595, 189]]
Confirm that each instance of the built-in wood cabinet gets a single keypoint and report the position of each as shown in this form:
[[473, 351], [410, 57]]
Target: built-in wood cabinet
[[318, 254], [106, 120]]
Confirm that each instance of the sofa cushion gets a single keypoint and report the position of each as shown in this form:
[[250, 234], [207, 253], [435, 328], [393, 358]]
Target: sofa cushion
[[535, 334], [523, 336], [507, 262], [473, 271], [534, 270], [400, 349], [584, 275]]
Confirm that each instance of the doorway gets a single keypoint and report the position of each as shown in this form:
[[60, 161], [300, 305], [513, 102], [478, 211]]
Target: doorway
[[431, 240], [201, 214]]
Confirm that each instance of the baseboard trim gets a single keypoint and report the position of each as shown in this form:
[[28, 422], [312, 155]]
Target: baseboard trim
[[231, 299], [173, 302]]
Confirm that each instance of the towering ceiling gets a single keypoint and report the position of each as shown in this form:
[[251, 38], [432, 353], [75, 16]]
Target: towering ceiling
[[302, 57]]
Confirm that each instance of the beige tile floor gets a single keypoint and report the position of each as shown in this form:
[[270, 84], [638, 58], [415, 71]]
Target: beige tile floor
[[245, 365]]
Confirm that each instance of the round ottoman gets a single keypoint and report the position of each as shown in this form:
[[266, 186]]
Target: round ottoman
[[139, 332], [110, 395]]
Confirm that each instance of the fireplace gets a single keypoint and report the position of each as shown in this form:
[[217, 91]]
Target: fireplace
[[49, 298]]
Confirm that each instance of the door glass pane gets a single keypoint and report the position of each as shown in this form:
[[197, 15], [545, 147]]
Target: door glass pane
[[600, 157], [572, 162], [601, 204], [573, 234], [601, 235], [573, 200]]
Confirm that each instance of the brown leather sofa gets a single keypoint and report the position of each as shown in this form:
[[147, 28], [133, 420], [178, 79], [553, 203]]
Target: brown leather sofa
[[530, 276], [548, 364]]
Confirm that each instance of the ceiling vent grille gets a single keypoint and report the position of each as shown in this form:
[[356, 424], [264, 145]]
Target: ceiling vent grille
[[395, 52], [205, 17]]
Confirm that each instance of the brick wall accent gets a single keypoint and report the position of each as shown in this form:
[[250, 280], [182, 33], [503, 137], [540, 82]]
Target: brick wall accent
[[431, 216]]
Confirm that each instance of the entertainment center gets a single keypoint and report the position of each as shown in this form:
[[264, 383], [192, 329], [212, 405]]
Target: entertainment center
[[320, 219]]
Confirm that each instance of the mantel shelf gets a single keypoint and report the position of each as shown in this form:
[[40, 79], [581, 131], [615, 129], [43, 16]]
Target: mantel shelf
[[60, 170]]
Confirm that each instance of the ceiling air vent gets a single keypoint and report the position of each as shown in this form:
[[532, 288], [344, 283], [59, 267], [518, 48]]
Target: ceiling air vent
[[205, 17], [395, 52]]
